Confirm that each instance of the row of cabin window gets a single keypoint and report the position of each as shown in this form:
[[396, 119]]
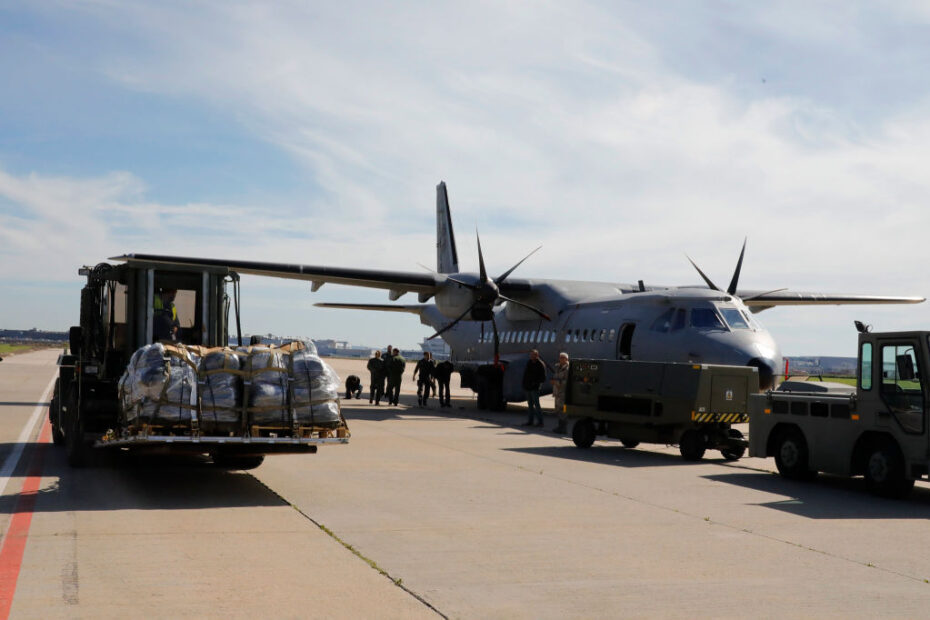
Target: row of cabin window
[[543, 336]]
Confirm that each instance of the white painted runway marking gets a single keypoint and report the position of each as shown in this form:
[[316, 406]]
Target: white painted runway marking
[[13, 459]]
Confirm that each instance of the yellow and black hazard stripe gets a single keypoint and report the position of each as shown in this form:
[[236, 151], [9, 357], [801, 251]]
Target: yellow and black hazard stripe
[[728, 418]]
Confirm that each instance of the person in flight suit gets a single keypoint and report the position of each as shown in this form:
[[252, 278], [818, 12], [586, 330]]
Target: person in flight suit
[[424, 369], [533, 377], [376, 370], [395, 371], [353, 387], [443, 374]]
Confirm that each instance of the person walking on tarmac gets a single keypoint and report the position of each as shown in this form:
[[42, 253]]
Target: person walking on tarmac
[[165, 323], [395, 375], [443, 374], [376, 370], [559, 381], [533, 377], [424, 368]]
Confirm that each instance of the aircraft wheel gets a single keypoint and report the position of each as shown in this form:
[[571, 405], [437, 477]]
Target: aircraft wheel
[[629, 443], [884, 472], [583, 433], [791, 456], [482, 390], [692, 445], [733, 454]]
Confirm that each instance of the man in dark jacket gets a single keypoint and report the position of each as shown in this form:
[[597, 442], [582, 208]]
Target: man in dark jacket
[[443, 374], [395, 374], [533, 376], [353, 387], [424, 369], [376, 370]]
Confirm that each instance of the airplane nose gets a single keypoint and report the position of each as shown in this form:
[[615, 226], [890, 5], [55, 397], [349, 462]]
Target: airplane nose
[[766, 372]]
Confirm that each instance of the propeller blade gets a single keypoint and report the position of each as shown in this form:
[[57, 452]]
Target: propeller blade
[[527, 306], [706, 279], [503, 277], [481, 270], [452, 324], [739, 265], [465, 284], [758, 295]]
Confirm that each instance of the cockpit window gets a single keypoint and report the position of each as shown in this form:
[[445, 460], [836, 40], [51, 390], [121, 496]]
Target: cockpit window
[[734, 318], [705, 318], [679, 320], [663, 322]]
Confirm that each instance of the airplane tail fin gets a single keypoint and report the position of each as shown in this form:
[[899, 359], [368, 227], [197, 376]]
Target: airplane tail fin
[[447, 259]]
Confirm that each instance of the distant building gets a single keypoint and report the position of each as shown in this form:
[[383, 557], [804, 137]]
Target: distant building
[[439, 349]]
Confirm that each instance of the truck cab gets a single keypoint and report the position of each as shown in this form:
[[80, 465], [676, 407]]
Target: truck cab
[[878, 431]]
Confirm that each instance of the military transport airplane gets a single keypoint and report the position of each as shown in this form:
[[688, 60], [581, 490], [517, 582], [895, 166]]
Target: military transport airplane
[[701, 323]]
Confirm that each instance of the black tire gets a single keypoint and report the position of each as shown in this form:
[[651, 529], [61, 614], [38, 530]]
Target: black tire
[[733, 454], [482, 391], [692, 445], [629, 443], [791, 455], [54, 416], [885, 471], [76, 450], [243, 462], [583, 433]]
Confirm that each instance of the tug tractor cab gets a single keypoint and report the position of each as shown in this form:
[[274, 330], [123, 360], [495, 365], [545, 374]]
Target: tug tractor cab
[[878, 431]]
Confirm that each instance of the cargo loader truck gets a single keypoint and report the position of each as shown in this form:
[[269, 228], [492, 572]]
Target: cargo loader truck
[[119, 314]]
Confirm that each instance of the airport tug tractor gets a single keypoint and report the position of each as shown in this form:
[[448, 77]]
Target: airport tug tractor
[[690, 405], [93, 405], [877, 429]]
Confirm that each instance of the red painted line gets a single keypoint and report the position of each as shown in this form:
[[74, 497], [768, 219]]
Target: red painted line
[[14, 545]]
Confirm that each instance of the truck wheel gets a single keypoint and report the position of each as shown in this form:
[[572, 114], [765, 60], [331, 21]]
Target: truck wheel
[[884, 471], [76, 450], [692, 445], [227, 461], [733, 454], [791, 456], [629, 443], [583, 433], [54, 416]]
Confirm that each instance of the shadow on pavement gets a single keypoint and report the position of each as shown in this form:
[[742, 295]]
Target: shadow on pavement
[[612, 455], [830, 497], [126, 482]]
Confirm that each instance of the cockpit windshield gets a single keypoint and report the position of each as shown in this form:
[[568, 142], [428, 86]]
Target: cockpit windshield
[[734, 318], [706, 318]]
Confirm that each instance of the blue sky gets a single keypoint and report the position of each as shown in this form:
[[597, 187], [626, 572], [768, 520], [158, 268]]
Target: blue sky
[[619, 136]]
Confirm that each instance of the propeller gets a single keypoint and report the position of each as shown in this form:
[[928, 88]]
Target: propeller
[[733, 281], [487, 294]]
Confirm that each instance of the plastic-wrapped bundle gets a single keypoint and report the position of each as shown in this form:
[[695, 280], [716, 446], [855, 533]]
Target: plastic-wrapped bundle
[[316, 388], [267, 394], [160, 386], [221, 393]]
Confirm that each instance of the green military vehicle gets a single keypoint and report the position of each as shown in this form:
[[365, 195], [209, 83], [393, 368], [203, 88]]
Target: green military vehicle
[[691, 405], [877, 429], [121, 317]]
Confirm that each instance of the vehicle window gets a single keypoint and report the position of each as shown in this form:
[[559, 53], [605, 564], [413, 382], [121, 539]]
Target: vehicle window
[[705, 318], [679, 323], [603, 334], [575, 335], [865, 366], [901, 389], [584, 336], [611, 335], [663, 322], [734, 318], [568, 336]]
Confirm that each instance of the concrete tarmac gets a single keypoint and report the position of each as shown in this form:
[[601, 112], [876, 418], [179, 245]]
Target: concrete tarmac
[[456, 513]]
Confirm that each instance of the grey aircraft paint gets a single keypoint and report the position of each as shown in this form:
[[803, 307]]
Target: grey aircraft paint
[[700, 324]]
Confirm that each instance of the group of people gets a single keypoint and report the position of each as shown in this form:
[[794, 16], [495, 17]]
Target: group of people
[[389, 368], [387, 371]]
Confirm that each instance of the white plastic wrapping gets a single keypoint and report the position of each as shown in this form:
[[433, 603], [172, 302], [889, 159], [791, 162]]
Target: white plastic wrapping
[[229, 391]]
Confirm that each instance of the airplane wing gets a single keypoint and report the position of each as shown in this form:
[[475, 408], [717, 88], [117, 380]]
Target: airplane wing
[[413, 309], [761, 300], [397, 282]]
